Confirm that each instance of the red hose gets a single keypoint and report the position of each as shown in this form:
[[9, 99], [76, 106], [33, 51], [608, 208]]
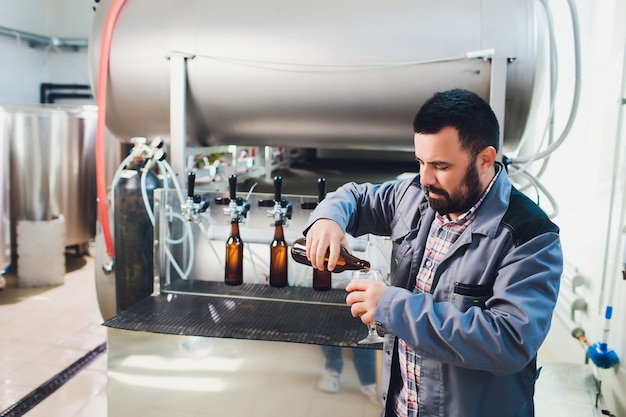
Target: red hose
[[101, 100]]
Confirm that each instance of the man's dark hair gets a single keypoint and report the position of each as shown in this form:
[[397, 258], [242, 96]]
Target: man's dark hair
[[472, 117]]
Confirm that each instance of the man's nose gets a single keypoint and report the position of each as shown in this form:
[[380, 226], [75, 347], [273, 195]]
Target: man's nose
[[426, 175]]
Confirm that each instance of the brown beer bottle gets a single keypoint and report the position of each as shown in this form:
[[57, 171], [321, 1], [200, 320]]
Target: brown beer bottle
[[322, 280], [234, 255], [345, 262], [278, 257], [234, 245]]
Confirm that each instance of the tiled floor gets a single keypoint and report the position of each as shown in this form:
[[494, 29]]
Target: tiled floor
[[44, 330]]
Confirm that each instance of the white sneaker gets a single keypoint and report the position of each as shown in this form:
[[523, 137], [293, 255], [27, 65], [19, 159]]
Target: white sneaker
[[3, 283], [371, 392], [329, 381]]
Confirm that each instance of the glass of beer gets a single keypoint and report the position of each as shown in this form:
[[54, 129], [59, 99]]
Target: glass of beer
[[369, 275]]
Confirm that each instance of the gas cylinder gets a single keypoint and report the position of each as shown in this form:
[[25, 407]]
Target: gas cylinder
[[133, 235]]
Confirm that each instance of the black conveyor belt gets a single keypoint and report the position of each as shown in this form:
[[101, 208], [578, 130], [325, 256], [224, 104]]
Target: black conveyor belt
[[249, 311]]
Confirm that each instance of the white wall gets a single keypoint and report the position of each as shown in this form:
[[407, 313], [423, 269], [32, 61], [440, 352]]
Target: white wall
[[581, 176], [22, 68]]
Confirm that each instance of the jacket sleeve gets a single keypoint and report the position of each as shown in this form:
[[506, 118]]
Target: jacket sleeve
[[360, 208], [503, 336]]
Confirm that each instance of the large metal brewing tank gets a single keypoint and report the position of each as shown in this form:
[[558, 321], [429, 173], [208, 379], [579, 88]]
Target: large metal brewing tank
[[52, 166], [5, 208], [324, 73]]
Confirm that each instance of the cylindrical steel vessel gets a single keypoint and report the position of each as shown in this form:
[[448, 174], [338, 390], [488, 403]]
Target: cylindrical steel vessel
[[52, 158], [5, 207], [325, 74]]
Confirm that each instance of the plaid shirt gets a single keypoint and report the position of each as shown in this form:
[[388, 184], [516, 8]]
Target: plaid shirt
[[442, 235]]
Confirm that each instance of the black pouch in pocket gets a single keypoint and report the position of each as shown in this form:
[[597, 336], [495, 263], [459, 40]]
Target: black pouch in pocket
[[465, 296]]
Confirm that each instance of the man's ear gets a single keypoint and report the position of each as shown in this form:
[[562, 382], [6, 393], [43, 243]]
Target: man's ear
[[486, 158]]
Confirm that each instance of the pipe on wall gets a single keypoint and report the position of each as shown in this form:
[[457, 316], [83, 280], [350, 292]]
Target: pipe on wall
[[34, 40], [47, 94]]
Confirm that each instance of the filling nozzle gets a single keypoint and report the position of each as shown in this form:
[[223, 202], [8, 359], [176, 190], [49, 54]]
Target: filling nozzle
[[282, 209], [194, 204], [281, 212], [238, 207]]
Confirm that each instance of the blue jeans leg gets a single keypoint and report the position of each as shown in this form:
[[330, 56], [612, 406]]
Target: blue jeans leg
[[365, 365], [334, 359]]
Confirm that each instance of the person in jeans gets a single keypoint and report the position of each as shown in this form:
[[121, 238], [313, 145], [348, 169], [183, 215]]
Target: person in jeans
[[364, 363]]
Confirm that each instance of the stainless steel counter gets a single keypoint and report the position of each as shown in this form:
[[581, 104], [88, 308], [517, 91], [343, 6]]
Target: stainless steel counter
[[201, 348]]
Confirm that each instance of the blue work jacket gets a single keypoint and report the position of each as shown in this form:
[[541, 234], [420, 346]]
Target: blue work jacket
[[491, 303]]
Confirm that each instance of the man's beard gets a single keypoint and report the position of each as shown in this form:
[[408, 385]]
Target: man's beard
[[461, 201]]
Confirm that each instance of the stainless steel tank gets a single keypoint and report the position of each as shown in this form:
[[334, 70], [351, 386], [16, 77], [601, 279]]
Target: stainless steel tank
[[5, 208], [326, 74], [52, 166]]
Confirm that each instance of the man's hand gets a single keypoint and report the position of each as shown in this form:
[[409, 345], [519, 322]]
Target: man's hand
[[323, 235], [363, 298]]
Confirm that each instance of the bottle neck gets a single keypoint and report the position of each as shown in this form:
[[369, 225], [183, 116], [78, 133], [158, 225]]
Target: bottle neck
[[353, 261], [234, 227], [320, 274], [364, 265], [279, 233]]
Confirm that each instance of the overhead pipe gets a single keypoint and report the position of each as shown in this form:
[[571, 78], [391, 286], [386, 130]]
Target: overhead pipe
[[35, 40], [52, 98]]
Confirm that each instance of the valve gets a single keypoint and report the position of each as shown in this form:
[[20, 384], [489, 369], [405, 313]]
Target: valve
[[321, 193], [238, 207], [194, 204], [154, 150], [281, 208]]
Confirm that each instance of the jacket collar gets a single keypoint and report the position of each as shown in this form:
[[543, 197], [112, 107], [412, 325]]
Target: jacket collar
[[495, 205]]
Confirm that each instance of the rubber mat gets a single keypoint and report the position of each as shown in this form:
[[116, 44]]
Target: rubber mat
[[249, 311]]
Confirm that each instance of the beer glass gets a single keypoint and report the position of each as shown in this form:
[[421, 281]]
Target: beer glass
[[376, 276]]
